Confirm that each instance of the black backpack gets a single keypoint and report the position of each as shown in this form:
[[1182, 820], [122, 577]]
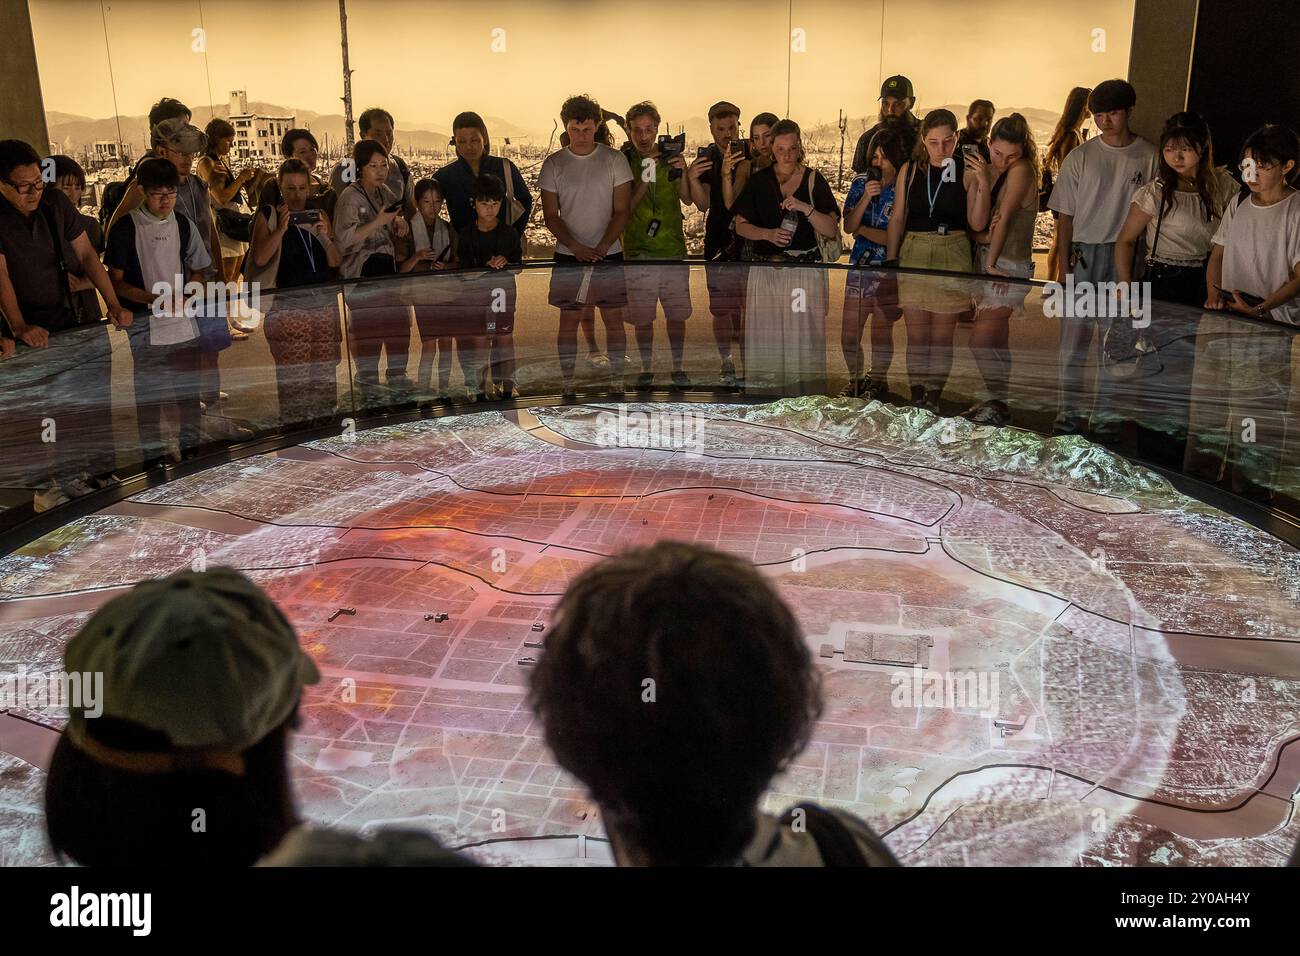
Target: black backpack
[[111, 199], [835, 843]]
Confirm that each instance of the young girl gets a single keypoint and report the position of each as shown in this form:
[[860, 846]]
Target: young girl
[[433, 249], [1178, 213], [1006, 248], [867, 210], [1068, 134], [490, 244], [943, 196]]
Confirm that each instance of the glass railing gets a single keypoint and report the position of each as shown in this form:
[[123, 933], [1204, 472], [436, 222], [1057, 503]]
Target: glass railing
[[1034, 650], [1200, 394]]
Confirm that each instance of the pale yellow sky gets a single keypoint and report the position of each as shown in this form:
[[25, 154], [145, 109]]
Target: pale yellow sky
[[426, 61]]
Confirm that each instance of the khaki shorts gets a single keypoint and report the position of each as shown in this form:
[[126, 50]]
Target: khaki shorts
[[929, 250]]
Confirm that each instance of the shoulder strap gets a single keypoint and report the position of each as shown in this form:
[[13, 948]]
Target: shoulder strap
[[835, 843], [56, 240]]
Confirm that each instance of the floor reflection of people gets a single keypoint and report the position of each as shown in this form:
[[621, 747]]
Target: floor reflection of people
[[872, 294], [1005, 249], [784, 209], [488, 243], [943, 196], [292, 247]]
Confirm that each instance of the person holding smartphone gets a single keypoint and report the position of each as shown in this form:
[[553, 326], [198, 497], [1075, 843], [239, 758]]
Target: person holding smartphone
[[872, 294], [293, 246], [945, 193], [368, 218]]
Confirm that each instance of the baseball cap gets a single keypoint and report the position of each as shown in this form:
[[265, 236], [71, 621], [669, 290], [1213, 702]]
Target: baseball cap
[[204, 657], [181, 136], [899, 86], [1112, 95]]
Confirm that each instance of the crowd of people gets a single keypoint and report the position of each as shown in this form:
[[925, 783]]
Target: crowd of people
[[942, 198]]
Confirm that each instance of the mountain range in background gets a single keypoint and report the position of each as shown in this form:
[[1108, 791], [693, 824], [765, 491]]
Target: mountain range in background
[[76, 133]]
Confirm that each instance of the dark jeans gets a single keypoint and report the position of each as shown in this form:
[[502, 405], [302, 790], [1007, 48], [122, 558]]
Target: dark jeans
[[165, 375]]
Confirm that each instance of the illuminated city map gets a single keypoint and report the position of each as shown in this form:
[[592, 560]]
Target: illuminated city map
[[1033, 652]]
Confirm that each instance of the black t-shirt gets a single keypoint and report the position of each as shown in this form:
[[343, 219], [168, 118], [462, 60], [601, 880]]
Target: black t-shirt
[[949, 198], [760, 204], [474, 247], [28, 248], [910, 124], [302, 257], [966, 137], [717, 222]]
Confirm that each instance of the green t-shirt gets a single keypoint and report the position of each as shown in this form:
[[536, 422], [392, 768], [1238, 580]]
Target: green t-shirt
[[661, 202]]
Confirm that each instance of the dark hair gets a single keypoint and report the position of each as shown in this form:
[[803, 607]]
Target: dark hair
[[734, 696], [101, 815], [168, 108], [723, 109], [763, 119], [645, 108], [216, 129], [292, 166], [1274, 143], [891, 140], [468, 120], [292, 137], [15, 153], [976, 104], [367, 119], [157, 173], [579, 109], [1066, 135], [1189, 128], [933, 120], [428, 186], [488, 187], [364, 151], [784, 128], [65, 167], [1111, 95], [1015, 129]]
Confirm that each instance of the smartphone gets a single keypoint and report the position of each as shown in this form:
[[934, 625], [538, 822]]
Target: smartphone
[[875, 174], [737, 146], [304, 217], [701, 152], [393, 207], [1248, 298], [970, 149]]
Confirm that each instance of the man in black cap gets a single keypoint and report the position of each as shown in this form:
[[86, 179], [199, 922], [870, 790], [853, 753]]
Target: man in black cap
[[896, 101]]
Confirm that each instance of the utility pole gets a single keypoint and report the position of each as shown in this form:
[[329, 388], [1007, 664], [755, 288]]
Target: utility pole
[[844, 125], [347, 77]]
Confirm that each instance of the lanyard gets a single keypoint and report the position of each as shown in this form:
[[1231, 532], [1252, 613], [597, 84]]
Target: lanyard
[[311, 256], [932, 197]]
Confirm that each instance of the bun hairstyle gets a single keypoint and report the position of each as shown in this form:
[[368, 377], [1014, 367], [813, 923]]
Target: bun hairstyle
[[1191, 130], [933, 120], [1015, 129]]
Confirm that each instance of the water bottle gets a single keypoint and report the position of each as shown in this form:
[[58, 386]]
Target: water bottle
[[790, 222]]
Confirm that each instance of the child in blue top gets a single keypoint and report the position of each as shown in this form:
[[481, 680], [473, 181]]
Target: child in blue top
[[867, 209]]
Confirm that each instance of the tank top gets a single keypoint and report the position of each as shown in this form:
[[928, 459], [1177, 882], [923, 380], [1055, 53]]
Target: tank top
[[927, 188], [1019, 243]]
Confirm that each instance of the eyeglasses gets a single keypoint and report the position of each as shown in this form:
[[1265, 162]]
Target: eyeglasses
[[161, 194], [26, 189]]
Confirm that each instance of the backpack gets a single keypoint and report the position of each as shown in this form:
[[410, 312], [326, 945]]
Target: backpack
[[112, 198], [835, 843]]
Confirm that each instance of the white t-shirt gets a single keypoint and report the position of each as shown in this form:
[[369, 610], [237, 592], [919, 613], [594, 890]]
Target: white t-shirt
[[1096, 185], [1261, 246], [584, 187], [158, 244], [1185, 233]]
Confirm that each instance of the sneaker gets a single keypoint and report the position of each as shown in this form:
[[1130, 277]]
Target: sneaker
[[77, 487], [681, 381], [853, 389], [48, 498], [616, 385], [931, 400], [1068, 425], [217, 428], [992, 412], [727, 374], [872, 389], [568, 389], [918, 396], [598, 360], [645, 380], [101, 481]]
